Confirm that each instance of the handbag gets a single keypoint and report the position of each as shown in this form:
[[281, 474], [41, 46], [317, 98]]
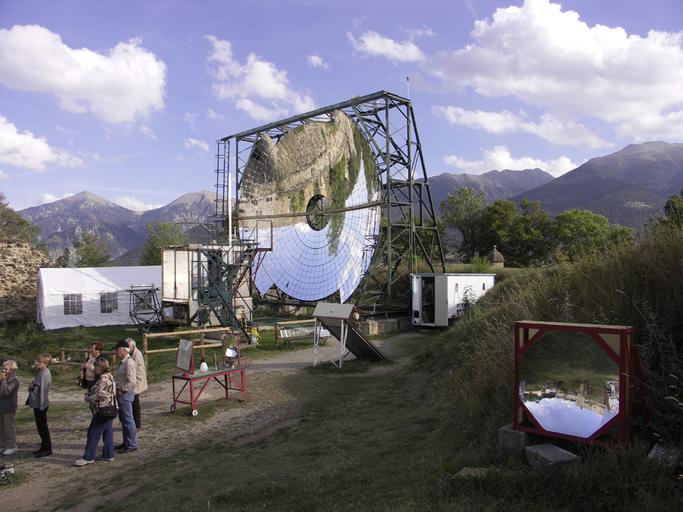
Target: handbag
[[106, 413]]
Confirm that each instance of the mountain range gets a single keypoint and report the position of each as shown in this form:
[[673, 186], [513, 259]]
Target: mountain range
[[629, 187], [494, 184], [125, 230]]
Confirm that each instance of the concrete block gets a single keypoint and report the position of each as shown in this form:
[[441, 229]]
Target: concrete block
[[511, 441], [540, 456]]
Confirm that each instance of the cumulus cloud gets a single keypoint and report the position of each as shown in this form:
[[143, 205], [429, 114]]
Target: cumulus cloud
[[196, 143], [132, 203], [316, 61], [46, 197], [26, 151], [499, 158], [214, 116], [550, 58], [550, 128], [376, 45], [258, 87], [125, 84]]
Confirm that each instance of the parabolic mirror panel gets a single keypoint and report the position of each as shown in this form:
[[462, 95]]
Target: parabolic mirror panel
[[313, 169]]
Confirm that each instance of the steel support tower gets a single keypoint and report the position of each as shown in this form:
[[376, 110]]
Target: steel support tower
[[408, 229]]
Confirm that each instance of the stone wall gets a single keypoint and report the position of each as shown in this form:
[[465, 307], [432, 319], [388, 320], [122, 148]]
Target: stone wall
[[19, 264]]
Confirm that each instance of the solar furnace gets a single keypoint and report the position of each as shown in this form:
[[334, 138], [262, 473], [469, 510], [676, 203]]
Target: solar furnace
[[319, 186]]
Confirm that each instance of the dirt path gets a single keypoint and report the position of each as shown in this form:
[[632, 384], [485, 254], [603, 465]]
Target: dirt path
[[268, 408]]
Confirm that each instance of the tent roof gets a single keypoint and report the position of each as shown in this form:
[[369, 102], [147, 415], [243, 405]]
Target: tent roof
[[97, 279]]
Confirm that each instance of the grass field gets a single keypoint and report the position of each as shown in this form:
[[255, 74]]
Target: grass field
[[377, 441]]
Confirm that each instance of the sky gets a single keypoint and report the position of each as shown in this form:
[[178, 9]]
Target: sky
[[126, 99]]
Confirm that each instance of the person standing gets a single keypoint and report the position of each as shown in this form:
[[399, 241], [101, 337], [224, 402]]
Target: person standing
[[9, 390], [141, 384], [38, 399], [126, 379], [88, 367], [101, 395]]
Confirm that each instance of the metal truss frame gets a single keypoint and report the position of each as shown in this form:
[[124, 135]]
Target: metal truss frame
[[217, 285], [144, 307], [408, 227]]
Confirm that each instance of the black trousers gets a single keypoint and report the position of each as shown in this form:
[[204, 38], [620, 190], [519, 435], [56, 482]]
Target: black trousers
[[136, 411], [43, 431]]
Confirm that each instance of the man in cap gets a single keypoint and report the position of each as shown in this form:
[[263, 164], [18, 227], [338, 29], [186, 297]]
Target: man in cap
[[126, 380]]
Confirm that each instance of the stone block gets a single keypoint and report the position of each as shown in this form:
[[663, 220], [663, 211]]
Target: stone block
[[511, 441], [540, 456]]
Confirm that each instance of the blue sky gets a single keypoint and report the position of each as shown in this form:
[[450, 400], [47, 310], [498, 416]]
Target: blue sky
[[126, 99]]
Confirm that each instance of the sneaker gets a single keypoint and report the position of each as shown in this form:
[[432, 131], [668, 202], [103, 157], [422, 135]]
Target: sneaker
[[83, 462], [120, 447], [104, 459], [10, 451], [42, 453], [127, 450]]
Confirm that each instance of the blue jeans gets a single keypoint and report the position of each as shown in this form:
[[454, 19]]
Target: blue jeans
[[95, 431], [130, 434]]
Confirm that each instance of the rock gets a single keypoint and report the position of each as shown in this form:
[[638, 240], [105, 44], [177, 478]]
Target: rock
[[19, 264], [540, 456]]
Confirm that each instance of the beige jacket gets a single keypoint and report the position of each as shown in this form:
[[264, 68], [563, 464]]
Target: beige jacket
[[126, 375], [141, 384]]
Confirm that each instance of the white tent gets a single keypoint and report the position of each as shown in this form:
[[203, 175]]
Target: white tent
[[69, 297]]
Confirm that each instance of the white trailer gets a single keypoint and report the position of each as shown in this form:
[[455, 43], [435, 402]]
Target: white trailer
[[438, 299]]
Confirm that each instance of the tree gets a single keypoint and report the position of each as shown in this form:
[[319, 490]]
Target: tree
[[91, 251], [582, 233], [462, 211], [160, 235], [673, 212], [532, 239], [64, 259], [13, 227], [496, 227], [522, 234]]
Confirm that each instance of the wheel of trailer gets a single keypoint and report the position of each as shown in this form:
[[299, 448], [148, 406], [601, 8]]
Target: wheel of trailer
[[172, 408], [195, 412]]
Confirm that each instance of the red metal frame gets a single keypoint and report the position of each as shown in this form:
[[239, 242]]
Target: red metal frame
[[223, 377], [203, 378], [624, 361]]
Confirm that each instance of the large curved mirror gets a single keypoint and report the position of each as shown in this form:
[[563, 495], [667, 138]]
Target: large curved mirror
[[569, 384]]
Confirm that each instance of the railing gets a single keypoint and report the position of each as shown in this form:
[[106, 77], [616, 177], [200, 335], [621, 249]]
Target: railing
[[63, 361], [202, 346]]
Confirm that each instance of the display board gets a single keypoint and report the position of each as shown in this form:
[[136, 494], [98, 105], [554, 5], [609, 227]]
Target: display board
[[184, 357]]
